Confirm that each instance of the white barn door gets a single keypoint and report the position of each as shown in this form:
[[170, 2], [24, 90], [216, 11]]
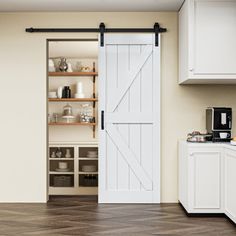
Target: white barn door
[[129, 91]]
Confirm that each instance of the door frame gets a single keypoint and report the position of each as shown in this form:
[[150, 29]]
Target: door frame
[[48, 40]]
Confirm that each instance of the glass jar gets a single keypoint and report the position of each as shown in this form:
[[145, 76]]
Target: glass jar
[[86, 114], [68, 114], [67, 110], [55, 117]]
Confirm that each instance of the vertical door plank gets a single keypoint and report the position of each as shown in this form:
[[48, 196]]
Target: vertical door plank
[[135, 96], [111, 149], [123, 129], [146, 106], [102, 133], [157, 120]]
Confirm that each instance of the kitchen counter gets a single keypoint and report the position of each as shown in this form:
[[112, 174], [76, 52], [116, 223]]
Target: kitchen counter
[[211, 144], [219, 144]]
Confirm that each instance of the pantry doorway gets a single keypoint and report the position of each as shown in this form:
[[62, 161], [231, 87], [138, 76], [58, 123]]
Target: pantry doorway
[[72, 84]]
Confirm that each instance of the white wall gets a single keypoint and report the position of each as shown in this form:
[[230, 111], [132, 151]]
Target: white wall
[[23, 97]]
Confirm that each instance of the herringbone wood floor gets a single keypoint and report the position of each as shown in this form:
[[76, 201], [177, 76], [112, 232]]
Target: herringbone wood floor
[[83, 216]]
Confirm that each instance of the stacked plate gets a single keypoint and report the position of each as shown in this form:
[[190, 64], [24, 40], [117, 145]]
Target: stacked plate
[[92, 154], [89, 168], [52, 94]]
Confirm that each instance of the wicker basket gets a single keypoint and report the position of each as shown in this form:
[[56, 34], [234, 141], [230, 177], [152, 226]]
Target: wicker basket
[[62, 181]]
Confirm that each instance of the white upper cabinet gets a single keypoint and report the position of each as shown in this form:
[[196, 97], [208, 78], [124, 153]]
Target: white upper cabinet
[[207, 42]]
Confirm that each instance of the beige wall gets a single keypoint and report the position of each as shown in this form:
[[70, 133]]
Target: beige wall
[[23, 97]]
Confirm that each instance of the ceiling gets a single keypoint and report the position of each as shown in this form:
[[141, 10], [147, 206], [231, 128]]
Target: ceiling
[[73, 49], [90, 5]]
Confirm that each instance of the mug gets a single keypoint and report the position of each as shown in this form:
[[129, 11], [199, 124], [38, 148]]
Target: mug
[[224, 135]]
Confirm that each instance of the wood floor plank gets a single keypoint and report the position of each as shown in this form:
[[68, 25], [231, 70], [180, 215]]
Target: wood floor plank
[[83, 216]]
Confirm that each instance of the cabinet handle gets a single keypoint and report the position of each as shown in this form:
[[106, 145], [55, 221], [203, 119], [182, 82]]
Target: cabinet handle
[[102, 120], [191, 69]]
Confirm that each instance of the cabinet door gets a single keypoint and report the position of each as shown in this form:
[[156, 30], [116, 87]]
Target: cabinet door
[[212, 39], [205, 179], [230, 184]]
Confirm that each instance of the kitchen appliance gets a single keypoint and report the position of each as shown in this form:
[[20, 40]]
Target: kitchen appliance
[[219, 121]]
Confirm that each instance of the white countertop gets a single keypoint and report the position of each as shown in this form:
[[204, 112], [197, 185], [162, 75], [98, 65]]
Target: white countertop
[[211, 144]]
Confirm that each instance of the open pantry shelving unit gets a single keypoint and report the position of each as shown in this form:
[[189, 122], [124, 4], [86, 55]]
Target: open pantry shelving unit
[[92, 74], [74, 181]]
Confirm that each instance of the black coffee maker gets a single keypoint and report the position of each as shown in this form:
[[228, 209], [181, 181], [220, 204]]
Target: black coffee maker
[[219, 123]]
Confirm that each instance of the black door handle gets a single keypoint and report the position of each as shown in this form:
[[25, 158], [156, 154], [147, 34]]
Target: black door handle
[[102, 120]]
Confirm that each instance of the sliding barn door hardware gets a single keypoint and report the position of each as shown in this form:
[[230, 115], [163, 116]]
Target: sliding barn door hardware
[[102, 30], [158, 30], [102, 120]]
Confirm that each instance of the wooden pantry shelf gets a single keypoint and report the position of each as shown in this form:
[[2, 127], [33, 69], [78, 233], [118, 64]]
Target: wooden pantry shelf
[[72, 73], [72, 99], [72, 123]]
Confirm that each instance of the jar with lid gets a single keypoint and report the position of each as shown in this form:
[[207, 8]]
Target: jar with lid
[[67, 113]]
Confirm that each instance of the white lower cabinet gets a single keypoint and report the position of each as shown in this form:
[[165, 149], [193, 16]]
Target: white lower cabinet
[[200, 184], [205, 174], [207, 178], [230, 184]]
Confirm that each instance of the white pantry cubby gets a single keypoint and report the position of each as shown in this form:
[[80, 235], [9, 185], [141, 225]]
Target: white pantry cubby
[[75, 180]]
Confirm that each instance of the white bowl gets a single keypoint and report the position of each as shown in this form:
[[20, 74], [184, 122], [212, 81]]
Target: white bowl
[[63, 165]]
